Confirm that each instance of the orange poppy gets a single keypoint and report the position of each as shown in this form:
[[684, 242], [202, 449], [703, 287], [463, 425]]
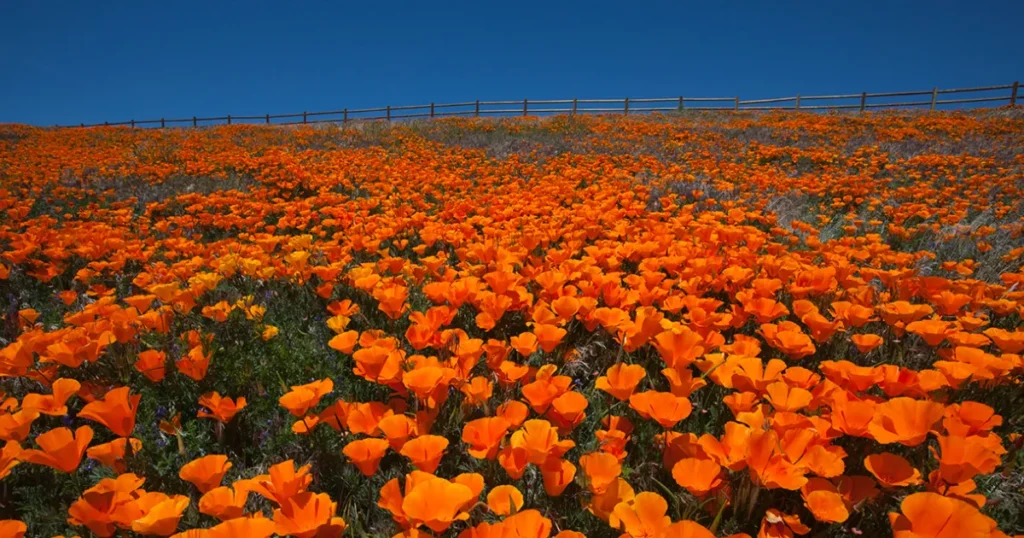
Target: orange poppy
[[9, 458], [765, 309], [557, 475], [365, 417], [641, 517], [1007, 341], [621, 380], [12, 528], [527, 524], [962, 458], [856, 488], [195, 364], [665, 408], [429, 384], [741, 402], [867, 342], [224, 502], [821, 327], [302, 398], [549, 336], [309, 515], [789, 339], [786, 398], [851, 415], [524, 344], [775, 524], [366, 454], [283, 482], [769, 461], [565, 307], [567, 411], [112, 454], [344, 342], [108, 506], [904, 420], [152, 364], [116, 411], [601, 506], [825, 460], [731, 450], [515, 412], [539, 440], [504, 500], [475, 483], [824, 501], [930, 515], [614, 437], [436, 503], [52, 404], [15, 426], [481, 530], [687, 529], [681, 381], [425, 451], [61, 449], [221, 408], [478, 390], [161, 513], [397, 429], [969, 418], [850, 376], [601, 469], [965, 491], [679, 348], [484, 435], [698, 476], [932, 331], [205, 472], [891, 470], [250, 527], [544, 390]]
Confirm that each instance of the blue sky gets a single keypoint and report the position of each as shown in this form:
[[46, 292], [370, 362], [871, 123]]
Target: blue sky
[[72, 62]]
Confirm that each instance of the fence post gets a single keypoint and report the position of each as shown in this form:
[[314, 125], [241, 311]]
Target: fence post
[[193, 121], [625, 107], [389, 112], [737, 105], [935, 95], [863, 100], [681, 104], [431, 110], [268, 119], [133, 124], [574, 102], [798, 101], [477, 113], [1013, 93], [229, 119], [162, 124], [303, 116], [525, 106], [344, 118]]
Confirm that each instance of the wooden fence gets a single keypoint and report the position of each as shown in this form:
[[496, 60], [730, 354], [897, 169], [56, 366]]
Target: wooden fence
[[853, 101]]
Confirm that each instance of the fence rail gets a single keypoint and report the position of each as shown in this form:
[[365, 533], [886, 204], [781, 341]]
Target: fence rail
[[627, 105]]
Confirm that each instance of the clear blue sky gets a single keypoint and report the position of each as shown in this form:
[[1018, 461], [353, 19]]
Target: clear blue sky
[[77, 61]]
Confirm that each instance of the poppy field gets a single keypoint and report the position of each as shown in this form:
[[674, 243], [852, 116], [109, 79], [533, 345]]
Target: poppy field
[[688, 325]]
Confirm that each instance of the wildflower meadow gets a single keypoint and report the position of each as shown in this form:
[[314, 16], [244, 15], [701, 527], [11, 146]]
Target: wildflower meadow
[[681, 325]]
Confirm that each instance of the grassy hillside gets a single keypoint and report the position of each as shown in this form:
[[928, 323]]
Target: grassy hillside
[[775, 323]]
